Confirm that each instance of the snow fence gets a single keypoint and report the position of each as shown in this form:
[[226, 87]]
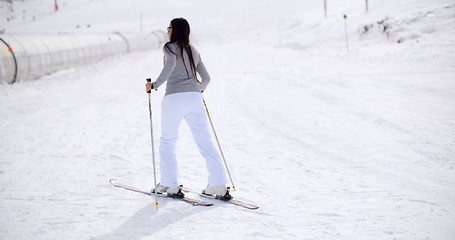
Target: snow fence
[[28, 57]]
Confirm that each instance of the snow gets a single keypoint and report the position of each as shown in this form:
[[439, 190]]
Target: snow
[[330, 143]]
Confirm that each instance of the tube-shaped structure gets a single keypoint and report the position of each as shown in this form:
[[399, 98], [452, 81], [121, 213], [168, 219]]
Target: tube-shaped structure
[[28, 57]]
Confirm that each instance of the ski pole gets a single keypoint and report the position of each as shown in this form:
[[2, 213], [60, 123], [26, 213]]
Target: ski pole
[[153, 144], [219, 146]]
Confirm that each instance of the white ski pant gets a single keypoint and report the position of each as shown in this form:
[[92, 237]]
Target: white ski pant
[[188, 106]]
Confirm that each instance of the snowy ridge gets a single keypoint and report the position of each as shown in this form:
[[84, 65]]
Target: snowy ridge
[[415, 26], [331, 144]]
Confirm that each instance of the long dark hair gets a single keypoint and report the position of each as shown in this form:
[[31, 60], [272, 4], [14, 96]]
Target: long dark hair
[[181, 35]]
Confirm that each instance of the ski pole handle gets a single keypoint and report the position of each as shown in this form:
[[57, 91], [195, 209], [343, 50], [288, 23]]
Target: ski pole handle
[[149, 81]]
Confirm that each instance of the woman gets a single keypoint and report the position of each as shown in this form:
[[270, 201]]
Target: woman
[[183, 100]]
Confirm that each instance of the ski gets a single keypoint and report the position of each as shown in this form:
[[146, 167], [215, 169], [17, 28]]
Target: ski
[[233, 201], [191, 201]]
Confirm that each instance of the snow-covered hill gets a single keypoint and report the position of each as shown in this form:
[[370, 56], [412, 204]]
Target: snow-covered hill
[[332, 144]]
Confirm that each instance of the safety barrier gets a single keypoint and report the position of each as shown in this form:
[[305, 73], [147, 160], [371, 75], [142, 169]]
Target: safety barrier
[[28, 57]]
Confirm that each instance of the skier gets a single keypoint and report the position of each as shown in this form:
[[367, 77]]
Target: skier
[[183, 100]]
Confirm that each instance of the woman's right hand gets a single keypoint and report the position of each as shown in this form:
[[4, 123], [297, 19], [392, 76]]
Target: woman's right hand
[[148, 87]]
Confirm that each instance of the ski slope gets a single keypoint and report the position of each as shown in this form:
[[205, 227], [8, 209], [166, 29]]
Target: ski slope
[[330, 143]]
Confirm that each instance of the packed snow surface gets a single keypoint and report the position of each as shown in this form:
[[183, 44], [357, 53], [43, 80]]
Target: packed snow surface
[[330, 143]]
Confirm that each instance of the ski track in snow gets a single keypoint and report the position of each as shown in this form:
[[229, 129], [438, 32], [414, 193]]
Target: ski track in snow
[[329, 144]]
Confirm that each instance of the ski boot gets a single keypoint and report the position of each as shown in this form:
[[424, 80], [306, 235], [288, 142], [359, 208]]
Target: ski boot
[[219, 192], [173, 192]]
